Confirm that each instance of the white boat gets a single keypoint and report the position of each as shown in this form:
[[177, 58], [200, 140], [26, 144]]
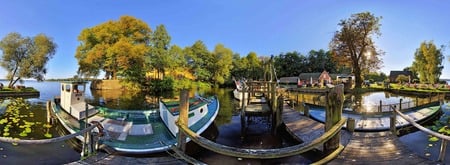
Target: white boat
[[132, 131]]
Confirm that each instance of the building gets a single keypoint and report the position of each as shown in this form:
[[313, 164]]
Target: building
[[314, 79], [289, 82], [394, 74]]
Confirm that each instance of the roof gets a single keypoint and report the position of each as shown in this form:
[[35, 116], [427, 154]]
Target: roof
[[307, 76], [289, 79], [395, 73]]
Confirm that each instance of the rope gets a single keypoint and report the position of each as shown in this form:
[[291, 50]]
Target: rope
[[45, 141]]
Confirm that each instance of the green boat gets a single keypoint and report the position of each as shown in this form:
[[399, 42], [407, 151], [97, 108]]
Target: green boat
[[131, 131]]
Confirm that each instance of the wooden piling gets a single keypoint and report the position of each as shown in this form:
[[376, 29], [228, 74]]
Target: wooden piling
[[244, 105], [305, 110], [351, 124], [183, 119], [334, 106], [49, 115], [273, 101]]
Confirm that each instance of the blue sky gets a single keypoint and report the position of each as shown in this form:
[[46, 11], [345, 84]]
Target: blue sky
[[265, 27]]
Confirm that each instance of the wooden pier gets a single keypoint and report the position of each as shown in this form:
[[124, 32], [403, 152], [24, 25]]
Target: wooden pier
[[377, 148]]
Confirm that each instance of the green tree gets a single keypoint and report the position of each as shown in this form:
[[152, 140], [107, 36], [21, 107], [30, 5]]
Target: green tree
[[428, 62], [221, 65], [402, 78], [115, 47], [353, 46], [198, 58], [254, 66], [159, 54], [25, 57], [290, 64], [239, 66], [321, 60]]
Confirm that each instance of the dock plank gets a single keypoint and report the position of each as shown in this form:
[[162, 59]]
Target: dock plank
[[377, 148], [301, 127]]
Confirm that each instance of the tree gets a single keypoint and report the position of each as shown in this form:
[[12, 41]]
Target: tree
[[428, 62], [115, 47], [198, 57], [221, 65], [159, 58], [290, 64], [352, 45], [402, 78], [320, 61], [25, 57], [254, 66]]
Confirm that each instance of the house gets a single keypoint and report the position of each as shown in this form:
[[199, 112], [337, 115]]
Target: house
[[394, 74], [289, 82], [315, 78]]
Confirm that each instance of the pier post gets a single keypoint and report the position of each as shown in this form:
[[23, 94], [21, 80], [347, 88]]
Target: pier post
[[49, 104], [273, 102], [400, 105], [334, 105], [380, 109], [183, 119], [417, 101], [278, 114], [244, 105], [442, 150], [305, 110], [351, 124], [393, 120]]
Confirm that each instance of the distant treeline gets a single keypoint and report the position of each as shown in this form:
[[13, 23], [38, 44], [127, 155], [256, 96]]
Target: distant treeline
[[71, 79]]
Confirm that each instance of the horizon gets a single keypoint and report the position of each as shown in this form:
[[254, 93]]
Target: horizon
[[241, 26]]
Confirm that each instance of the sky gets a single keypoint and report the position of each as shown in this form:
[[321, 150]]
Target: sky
[[266, 27]]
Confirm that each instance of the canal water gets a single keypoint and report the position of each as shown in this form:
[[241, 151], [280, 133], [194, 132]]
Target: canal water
[[227, 129]]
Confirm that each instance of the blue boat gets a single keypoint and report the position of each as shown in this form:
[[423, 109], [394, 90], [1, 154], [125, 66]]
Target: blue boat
[[132, 131]]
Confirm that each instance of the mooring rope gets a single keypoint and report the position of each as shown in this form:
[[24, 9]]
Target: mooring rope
[[45, 141]]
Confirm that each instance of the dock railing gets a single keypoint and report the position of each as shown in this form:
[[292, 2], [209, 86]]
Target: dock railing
[[296, 99], [444, 138]]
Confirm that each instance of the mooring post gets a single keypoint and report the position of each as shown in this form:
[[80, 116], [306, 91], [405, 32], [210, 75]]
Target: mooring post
[[380, 109], [351, 124], [305, 110], [49, 103], [274, 104], [400, 105], [442, 150], [244, 105], [85, 147], [183, 119], [278, 114], [334, 105], [393, 120]]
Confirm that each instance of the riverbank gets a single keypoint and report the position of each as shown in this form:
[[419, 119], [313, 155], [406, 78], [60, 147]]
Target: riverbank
[[29, 92]]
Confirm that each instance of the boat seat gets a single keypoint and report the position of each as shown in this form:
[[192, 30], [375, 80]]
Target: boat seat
[[141, 129]]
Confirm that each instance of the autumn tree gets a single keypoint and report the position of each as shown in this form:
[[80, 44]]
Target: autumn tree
[[221, 64], [428, 62], [115, 47], [353, 46], [26, 57]]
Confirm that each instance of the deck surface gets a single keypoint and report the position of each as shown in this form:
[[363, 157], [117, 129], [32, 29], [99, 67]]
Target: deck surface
[[106, 159], [360, 147], [301, 127], [377, 148]]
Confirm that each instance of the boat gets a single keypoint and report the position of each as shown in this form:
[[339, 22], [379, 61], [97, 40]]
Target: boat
[[237, 93], [131, 131]]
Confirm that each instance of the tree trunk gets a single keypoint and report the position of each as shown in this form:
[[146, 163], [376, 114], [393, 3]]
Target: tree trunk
[[358, 79]]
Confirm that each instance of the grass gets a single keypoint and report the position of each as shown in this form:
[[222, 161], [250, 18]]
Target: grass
[[27, 89], [412, 89]]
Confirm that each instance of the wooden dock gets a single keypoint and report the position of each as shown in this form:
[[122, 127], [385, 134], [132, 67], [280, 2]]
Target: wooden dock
[[360, 147], [302, 128], [104, 158], [377, 148]]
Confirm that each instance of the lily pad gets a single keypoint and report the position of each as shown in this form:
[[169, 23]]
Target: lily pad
[[23, 134], [28, 130], [433, 139], [47, 135], [5, 134]]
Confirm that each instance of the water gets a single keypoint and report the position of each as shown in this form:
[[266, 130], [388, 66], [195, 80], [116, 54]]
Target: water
[[227, 124]]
